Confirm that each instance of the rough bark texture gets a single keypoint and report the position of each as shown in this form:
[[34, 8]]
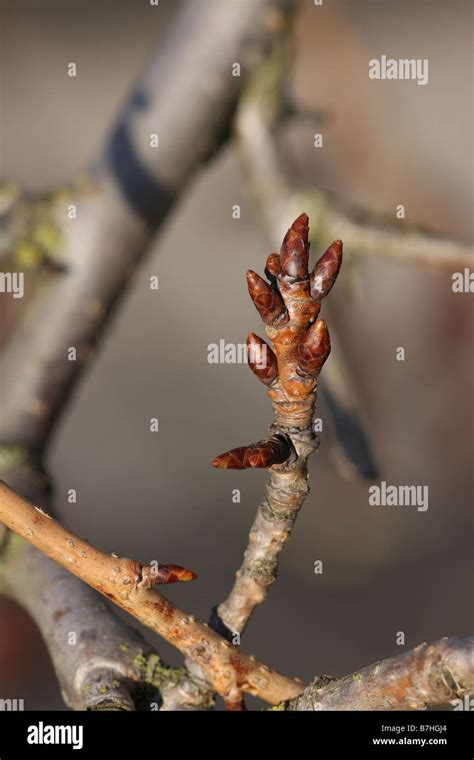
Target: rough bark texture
[[430, 674], [285, 493]]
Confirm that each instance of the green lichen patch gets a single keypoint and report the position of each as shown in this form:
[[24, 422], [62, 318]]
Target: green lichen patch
[[280, 707], [153, 672]]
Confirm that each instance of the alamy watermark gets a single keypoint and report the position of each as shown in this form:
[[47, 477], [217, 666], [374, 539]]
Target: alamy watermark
[[237, 353], [463, 282], [12, 705], [386, 495], [12, 282], [42, 733], [466, 703], [399, 68]]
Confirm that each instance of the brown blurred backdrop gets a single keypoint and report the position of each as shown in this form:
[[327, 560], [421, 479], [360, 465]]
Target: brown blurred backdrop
[[155, 495]]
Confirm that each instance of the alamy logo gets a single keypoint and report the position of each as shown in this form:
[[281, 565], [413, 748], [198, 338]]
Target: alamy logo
[[399, 496], [12, 282], [466, 703], [236, 353], [463, 282], [45, 734], [402, 68]]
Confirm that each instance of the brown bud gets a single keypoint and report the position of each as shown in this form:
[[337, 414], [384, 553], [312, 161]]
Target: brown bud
[[151, 575], [262, 360], [268, 302], [325, 271], [273, 267], [295, 248], [274, 450], [314, 348]]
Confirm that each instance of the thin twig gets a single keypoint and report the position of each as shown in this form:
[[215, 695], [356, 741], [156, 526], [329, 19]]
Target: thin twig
[[228, 669], [278, 199], [273, 185], [409, 245], [289, 306], [100, 661]]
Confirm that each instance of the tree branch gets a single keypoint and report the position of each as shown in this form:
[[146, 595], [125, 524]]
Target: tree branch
[[289, 306], [430, 674], [272, 182], [228, 670], [100, 661], [188, 90]]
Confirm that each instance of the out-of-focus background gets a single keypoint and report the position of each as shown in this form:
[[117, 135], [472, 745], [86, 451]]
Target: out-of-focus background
[[153, 496]]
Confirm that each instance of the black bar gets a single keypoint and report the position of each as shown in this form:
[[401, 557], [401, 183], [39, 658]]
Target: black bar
[[320, 734]]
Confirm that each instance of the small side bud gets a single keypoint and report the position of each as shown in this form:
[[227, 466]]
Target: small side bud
[[262, 360], [325, 271], [314, 348], [273, 268], [164, 574], [274, 450], [268, 302]]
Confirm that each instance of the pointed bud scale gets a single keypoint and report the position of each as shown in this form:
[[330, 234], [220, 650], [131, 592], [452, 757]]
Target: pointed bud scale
[[262, 360], [273, 267], [151, 575], [325, 271], [274, 450], [301, 226], [268, 302], [295, 248], [314, 348]]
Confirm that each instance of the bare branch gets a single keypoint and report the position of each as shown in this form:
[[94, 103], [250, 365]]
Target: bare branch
[[273, 185], [188, 90], [228, 670], [430, 674], [100, 661], [371, 237], [289, 306], [104, 571], [267, 172]]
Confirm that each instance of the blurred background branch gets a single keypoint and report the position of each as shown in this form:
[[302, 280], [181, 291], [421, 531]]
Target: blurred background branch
[[77, 269], [119, 206]]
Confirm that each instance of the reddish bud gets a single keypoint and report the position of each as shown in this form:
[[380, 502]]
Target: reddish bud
[[268, 302], [262, 360], [152, 574], [273, 267], [314, 348], [295, 248], [274, 450], [300, 226], [325, 271]]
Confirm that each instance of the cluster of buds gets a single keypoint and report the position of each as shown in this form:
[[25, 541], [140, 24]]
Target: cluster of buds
[[289, 304]]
